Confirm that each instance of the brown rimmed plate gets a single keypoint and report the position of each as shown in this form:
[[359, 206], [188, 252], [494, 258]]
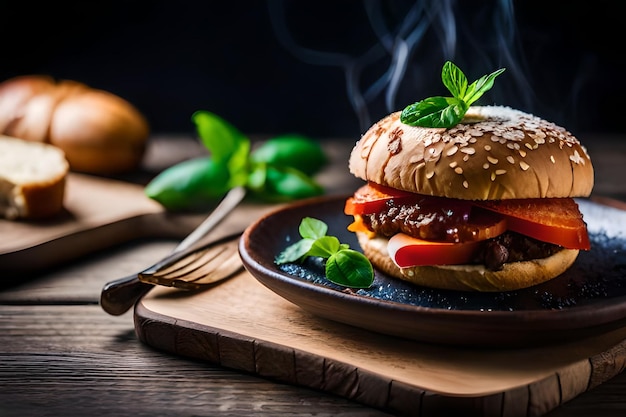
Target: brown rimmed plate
[[590, 298]]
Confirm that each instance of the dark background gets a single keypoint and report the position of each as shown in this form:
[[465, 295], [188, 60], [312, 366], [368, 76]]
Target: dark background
[[279, 66]]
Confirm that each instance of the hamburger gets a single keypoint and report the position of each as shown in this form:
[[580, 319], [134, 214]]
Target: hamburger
[[485, 205]]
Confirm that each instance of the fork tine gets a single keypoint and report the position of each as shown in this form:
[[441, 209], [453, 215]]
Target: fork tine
[[209, 274], [209, 261], [197, 267]]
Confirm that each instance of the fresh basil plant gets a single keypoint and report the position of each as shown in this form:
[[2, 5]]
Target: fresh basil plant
[[280, 169], [446, 112], [344, 266]]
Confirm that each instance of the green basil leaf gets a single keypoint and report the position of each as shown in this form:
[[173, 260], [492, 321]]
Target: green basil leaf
[[312, 228], [238, 165], [434, 112], [350, 268], [480, 86], [257, 178], [192, 184], [445, 112], [295, 151], [281, 184], [454, 79], [220, 137], [295, 252], [324, 247]]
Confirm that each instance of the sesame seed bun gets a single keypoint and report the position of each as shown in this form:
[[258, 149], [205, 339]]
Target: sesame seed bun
[[495, 153]]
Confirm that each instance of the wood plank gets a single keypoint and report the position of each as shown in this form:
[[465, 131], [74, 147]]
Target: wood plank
[[242, 325], [77, 360]]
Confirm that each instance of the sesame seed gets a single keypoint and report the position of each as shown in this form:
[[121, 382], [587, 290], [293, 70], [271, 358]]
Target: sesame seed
[[468, 150], [524, 165], [465, 184], [500, 171], [492, 160], [510, 159], [576, 158], [486, 166], [493, 176], [529, 146], [453, 164], [522, 153], [487, 148], [452, 150], [552, 159], [458, 170]]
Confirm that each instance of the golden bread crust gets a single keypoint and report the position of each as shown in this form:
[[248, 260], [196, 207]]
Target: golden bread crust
[[32, 179], [494, 153]]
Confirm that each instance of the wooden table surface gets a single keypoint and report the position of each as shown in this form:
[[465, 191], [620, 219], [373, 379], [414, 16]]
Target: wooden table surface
[[62, 355]]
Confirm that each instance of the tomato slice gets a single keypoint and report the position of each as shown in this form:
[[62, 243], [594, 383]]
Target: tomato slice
[[552, 220], [407, 251], [374, 198]]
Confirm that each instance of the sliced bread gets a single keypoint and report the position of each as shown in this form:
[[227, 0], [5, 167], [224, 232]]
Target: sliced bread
[[32, 179]]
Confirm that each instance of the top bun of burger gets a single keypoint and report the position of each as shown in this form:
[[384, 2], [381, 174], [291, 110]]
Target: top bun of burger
[[494, 153]]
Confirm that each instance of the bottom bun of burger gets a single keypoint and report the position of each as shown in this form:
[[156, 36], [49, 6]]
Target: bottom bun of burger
[[513, 275]]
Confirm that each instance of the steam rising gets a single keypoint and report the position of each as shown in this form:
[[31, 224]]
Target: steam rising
[[412, 43]]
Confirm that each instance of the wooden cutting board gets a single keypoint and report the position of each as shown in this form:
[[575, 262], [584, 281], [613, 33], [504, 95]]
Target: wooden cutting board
[[99, 213], [242, 325]]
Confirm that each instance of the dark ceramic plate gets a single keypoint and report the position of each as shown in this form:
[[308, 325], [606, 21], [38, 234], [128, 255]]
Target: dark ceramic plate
[[588, 299]]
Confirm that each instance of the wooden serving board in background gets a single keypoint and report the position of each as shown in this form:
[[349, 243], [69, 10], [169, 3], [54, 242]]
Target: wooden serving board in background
[[99, 213], [242, 325]]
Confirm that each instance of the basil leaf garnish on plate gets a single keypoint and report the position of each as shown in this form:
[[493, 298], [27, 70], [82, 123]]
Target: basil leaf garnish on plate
[[344, 266]]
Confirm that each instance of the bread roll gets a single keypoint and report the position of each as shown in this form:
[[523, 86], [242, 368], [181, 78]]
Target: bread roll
[[32, 179], [495, 153], [99, 132]]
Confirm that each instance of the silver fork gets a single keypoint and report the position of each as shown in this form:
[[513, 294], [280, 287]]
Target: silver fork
[[187, 267]]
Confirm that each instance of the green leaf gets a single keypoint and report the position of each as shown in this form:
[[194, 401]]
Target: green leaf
[[220, 137], [480, 86], [324, 246], [195, 183], [312, 228], [445, 112], [344, 266], [454, 79], [295, 151], [295, 252], [350, 268], [282, 184], [257, 178], [238, 165], [434, 112]]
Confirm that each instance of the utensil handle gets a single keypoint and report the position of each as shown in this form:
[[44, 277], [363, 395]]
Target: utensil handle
[[228, 203], [119, 296]]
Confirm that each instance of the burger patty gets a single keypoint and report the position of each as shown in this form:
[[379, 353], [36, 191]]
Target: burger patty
[[494, 253]]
